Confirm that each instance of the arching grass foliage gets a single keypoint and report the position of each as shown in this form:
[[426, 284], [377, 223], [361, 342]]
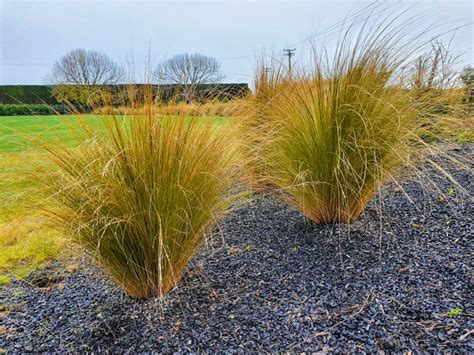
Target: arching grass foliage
[[140, 195]]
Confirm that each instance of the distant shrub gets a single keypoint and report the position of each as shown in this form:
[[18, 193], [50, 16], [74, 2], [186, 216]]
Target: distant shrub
[[32, 109], [230, 108], [141, 194], [467, 77], [83, 97]]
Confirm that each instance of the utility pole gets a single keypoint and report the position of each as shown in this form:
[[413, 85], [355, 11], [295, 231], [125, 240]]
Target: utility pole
[[266, 70], [289, 52]]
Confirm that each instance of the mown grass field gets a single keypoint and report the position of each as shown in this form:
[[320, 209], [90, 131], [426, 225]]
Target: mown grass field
[[26, 241]]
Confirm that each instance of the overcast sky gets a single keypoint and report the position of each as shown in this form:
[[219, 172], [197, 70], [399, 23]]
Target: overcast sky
[[35, 33]]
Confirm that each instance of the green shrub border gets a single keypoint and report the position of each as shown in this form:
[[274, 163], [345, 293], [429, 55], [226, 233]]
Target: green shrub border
[[32, 109]]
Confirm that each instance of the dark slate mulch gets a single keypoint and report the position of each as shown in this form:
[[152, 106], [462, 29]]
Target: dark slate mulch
[[270, 281]]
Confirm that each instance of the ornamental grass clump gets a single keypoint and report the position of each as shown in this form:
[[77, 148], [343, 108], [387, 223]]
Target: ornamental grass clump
[[344, 126], [140, 194], [269, 84]]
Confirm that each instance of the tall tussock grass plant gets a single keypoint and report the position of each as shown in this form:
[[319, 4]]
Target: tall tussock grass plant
[[141, 193], [333, 132], [254, 127]]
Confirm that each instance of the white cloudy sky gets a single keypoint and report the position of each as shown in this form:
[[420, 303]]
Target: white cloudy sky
[[34, 33]]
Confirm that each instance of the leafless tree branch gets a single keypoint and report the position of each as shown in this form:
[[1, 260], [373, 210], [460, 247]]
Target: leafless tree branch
[[86, 67], [189, 69], [435, 69]]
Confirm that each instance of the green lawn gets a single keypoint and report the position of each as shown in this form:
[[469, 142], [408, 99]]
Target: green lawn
[[17, 132], [26, 242]]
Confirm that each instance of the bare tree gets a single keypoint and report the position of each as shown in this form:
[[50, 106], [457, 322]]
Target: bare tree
[[80, 75], [435, 69], [189, 69], [82, 67]]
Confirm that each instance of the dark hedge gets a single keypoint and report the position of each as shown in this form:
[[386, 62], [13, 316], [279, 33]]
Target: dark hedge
[[42, 94], [32, 109], [27, 94]]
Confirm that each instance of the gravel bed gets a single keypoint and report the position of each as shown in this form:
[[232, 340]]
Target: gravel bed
[[399, 279]]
